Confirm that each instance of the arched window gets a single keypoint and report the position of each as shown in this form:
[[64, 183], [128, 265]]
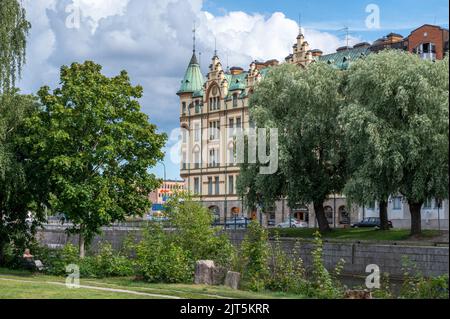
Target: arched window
[[214, 98], [344, 217]]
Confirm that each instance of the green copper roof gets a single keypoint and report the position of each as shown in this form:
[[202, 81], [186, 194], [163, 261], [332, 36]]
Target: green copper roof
[[342, 59], [238, 82], [193, 79]]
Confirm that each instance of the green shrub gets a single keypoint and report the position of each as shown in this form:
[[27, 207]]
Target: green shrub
[[384, 292], [325, 284], [194, 234], [417, 286], [106, 263], [158, 259], [287, 273], [255, 258]]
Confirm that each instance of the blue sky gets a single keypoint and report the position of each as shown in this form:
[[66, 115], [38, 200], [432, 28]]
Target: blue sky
[[399, 16], [152, 40]]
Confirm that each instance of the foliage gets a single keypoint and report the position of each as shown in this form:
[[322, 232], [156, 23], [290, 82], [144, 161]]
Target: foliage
[[159, 259], [170, 256], [106, 263], [95, 147], [384, 292], [304, 106], [325, 284], [287, 273], [416, 286], [396, 127], [255, 253], [14, 29], [21, 192], [193, 231]]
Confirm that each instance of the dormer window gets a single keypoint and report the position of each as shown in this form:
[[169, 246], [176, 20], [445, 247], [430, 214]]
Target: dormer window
[[235, 100]]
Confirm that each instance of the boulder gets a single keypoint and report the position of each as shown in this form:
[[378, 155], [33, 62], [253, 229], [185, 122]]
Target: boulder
[[204, 272], [358, 294], [233, 279]]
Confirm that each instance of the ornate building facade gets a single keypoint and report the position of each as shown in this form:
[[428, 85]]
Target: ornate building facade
[[214, 108]]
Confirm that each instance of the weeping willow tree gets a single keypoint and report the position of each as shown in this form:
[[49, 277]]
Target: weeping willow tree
[[14, 29], [14, 188]]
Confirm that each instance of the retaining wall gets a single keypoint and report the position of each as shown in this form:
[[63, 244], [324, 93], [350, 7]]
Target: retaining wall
[[429, 260]]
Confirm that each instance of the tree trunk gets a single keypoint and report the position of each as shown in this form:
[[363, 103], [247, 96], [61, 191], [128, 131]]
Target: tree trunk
[[321, 218], [81, 244], [384, 225], [416, 218]]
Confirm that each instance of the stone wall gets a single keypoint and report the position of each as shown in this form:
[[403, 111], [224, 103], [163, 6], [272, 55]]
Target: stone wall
[[431, 261]]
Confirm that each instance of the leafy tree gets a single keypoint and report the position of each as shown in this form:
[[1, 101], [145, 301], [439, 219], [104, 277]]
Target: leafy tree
[[19, 190], [95, 146], [255, 254], [304, 105], [13, 33], [397, 127]]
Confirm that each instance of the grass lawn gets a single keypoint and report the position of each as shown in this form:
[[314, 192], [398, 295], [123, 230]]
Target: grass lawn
[[355, 234], [24, 285]]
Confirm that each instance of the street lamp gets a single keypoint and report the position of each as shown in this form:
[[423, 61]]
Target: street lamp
[[439, 203], [164, 165]]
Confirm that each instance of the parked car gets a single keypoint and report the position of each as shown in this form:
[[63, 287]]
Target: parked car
[[237, 222], [371, 222], [293, 223]]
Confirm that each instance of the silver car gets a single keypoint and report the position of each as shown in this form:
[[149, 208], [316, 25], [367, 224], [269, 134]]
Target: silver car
[[293, 223]]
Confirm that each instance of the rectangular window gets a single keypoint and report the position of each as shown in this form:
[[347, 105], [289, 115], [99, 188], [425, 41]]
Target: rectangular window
[[197, 160], [212, 157], [197, 132], [184, 161], [183, 107], [197, 106], [397, 203], [231, 184], [214, 130], [210, 186], [196, 185], [235, 100], [217, 184], [231, 127], [238, 124]]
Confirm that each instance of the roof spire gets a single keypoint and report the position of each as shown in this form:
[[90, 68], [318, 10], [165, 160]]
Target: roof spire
[[300, 23], [193, 38], [215, 46]]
